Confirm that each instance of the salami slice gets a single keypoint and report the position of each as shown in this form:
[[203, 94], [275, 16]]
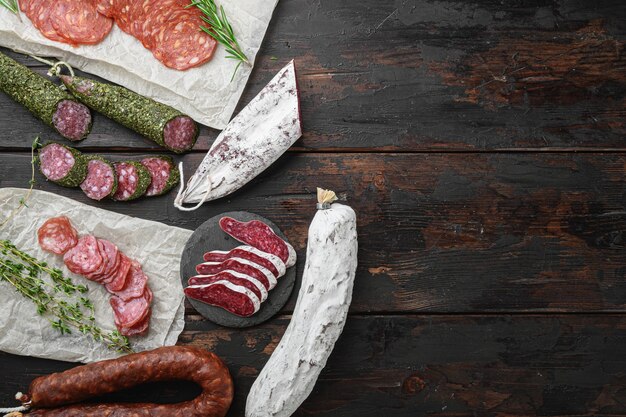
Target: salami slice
[[267, 260], [84, 258], [237, 278], [261, 236], [233, 298], [136, 283], [133, 180], [111, 255], [79, 21], [118, 280], [138, 328], [57, 235], [63, 165], [242, 266], [101, 180], [98, 274], [39, 14], [129, 313], [163, 173]]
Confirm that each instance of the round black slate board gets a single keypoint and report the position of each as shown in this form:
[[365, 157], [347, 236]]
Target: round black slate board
[[210, 237]]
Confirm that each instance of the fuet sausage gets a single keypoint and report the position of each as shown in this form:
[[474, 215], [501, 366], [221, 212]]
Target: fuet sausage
[[57, 395]]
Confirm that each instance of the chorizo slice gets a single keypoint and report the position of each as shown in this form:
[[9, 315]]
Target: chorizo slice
[[57, 395], [79, 21]]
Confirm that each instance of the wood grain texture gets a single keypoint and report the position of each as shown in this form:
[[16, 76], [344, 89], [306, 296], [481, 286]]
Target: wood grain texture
[[420, 365], [412, 75], [440, 232]]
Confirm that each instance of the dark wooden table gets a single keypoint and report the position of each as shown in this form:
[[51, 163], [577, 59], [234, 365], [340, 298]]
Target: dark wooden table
[[482, 144]]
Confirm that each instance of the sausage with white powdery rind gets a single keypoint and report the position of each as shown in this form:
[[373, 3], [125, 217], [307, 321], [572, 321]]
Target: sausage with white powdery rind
[[156, 121], [45, 100], [319, 315], [56, 395]]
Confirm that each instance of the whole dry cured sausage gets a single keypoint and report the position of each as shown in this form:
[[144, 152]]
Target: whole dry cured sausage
[[57, 235], [101, 180], [45, 100], [59, 394], [156, 121], [267, 260], [261, 236], [233, 298], [163, 173], [63, 165]]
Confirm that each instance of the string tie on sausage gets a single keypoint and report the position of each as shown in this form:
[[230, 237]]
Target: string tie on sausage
[[178, 202], [54, 66]]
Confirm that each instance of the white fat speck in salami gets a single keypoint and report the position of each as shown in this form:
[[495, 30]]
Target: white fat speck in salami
[[261, 236], [231, 297]]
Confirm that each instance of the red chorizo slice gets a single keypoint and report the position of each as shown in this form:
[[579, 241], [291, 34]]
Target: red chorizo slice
[[261, 236], [57, 235], [53, 395], [135, 285], [85, 257], [79, 21], [38, 11]]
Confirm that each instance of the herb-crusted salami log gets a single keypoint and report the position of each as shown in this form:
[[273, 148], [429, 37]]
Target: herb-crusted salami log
[[163, 124], [101, 180], [45, 100], [163, 172], [133, 179], [63, 165]]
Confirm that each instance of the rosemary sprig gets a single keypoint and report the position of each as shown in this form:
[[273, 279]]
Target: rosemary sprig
[[220, 29], [59, 298], [11, 5], [31, 183]]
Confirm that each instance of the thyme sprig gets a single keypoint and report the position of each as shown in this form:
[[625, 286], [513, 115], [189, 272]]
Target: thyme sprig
[[31, 183], [11, 5], [59, 299], [220, 29]]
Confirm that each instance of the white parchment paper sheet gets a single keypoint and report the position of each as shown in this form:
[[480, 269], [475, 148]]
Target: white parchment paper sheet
[[156, 246], [205, 93]]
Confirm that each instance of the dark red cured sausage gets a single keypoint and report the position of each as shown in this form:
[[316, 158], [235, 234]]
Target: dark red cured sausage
[[39, 14], [100, 181], [48, 393], [252, 254], [231, 297], [254, 270], [261, 236], [84, 258], [79, 21], [57, 235]]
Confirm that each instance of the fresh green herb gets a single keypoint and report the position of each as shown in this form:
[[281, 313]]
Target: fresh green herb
[[31, 183], [220, 30], [63, 302], [11, 5]]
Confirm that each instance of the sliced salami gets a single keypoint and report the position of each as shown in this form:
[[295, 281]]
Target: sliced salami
[[118, 280], [237, 278], [84, 258], [136, 283], [267, 260], [112, 257], [101, 180], [79, 21], [233, 298], [129, 313], [138, 328], [63, 165], [98, 274], [133, 180], [39, 14], [57, 235], [163, 174], [261, 236], [243, 266]]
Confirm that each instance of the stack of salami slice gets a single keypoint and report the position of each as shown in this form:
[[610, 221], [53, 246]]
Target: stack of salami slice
[[239, 280], [101, 261]]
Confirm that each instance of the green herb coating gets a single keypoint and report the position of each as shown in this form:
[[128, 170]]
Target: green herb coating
[[37, 94], [174, 178], [143, 182], [141, 114], [109, 163], [77, 173]]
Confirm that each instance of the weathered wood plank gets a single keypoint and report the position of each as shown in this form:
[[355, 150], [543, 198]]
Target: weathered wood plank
[[441, 232], [422, 365], [428, 75]]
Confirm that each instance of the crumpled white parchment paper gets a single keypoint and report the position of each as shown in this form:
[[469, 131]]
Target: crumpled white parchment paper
[[156, 246], [205, 93]]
